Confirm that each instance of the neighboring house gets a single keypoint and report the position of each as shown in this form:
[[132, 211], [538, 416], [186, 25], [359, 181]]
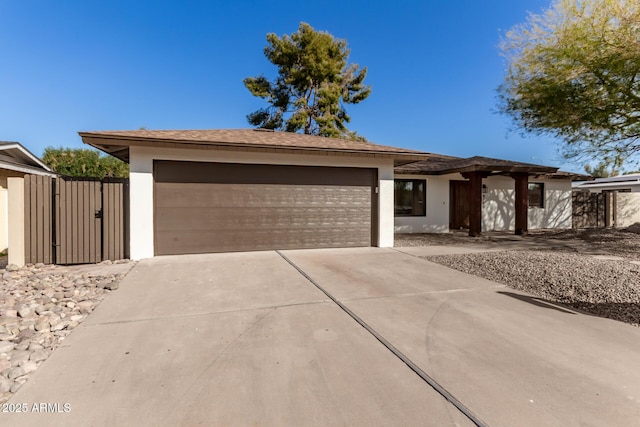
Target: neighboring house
[[623, 183], [15, 161], [442, 199], [625, 196], [244, 189]]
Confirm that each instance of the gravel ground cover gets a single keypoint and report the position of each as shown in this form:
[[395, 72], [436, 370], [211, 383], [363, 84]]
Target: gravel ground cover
[[617, 242], [39, 306], [560, 269], [606, 288]]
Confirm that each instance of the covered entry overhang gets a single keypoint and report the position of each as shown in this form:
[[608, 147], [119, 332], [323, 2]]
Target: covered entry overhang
[[474, 170]]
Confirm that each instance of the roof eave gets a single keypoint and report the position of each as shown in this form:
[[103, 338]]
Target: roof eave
[[26, 169], [26, 153], [92, 139]]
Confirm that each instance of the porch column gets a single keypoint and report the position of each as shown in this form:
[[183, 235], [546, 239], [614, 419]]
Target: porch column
[[522, 202], [475, 202]]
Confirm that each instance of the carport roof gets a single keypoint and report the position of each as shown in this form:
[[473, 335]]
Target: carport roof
[[117, 143]]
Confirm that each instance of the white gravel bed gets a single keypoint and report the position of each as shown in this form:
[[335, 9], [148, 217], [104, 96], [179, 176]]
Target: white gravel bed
[[604, 288], [39, 306]]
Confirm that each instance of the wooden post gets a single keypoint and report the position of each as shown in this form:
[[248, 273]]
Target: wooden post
[[475, 202], [522, 202]]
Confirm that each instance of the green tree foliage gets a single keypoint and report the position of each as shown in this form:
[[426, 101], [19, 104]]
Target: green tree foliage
[[314, 83], [574, 73], [606, 168], [84, 162]]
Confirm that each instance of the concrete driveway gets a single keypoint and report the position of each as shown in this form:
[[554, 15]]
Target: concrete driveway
[[246, 339]]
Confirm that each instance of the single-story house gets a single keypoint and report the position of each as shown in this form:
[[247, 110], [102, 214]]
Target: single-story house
[[198, 191], [15, 161]]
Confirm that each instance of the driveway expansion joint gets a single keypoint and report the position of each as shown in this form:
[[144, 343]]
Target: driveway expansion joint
[[415, 368]]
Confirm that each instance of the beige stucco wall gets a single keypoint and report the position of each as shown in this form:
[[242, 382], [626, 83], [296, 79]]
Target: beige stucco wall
[[498, 212], [437, 218], [15, 186], [4, 208], [4, 214], [628, 209], [141, 184]]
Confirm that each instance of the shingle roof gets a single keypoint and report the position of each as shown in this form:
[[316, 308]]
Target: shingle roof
[[256, 138], [439, 165]]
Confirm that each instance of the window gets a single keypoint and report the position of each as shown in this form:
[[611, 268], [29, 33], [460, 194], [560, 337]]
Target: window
[[536, 195], [410, 197]]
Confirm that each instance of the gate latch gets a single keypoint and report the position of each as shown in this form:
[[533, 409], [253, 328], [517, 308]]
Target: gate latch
[[98, 213]]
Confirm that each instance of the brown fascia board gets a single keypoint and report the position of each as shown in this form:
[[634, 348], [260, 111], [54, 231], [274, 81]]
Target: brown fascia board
[[494, 170], [566, 175], [102, 141]]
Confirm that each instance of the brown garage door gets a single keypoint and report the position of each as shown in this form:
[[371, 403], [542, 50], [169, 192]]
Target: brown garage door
[[222, 207]]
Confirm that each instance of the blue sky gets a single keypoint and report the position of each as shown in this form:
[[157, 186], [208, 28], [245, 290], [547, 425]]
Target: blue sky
[[69, 66]]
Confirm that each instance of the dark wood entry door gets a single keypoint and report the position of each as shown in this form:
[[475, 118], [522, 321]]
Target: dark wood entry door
[[458, 205]]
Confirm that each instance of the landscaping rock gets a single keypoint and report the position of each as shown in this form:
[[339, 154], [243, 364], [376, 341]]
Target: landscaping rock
[[38, 355], [15, 372], [12, 267], [5, 385], [39, 306], [6, 346], [29, 367]]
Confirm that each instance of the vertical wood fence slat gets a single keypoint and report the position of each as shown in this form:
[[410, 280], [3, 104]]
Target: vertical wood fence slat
[[88, 219], [92, 229], [119, 226], [106, 226], [34, 220], [47, 225], [73, 222], [67, 224], [27, 219], [39, 216], [99, 221]]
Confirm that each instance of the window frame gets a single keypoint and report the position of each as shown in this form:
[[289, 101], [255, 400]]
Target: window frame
[[414, 189], [542, 195]]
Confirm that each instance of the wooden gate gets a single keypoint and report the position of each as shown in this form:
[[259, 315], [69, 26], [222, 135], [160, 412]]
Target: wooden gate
[[593, 210], [75, 220]]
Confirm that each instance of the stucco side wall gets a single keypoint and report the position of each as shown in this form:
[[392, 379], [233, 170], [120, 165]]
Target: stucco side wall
[[628, 209], [141, 185], [558, 208], [499, 199], [437, 218], [4, 214], [4, 206]]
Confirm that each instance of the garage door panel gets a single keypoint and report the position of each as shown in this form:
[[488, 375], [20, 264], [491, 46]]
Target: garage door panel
[[171, 219], [250, 240], [257, 196], [214, 207]]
